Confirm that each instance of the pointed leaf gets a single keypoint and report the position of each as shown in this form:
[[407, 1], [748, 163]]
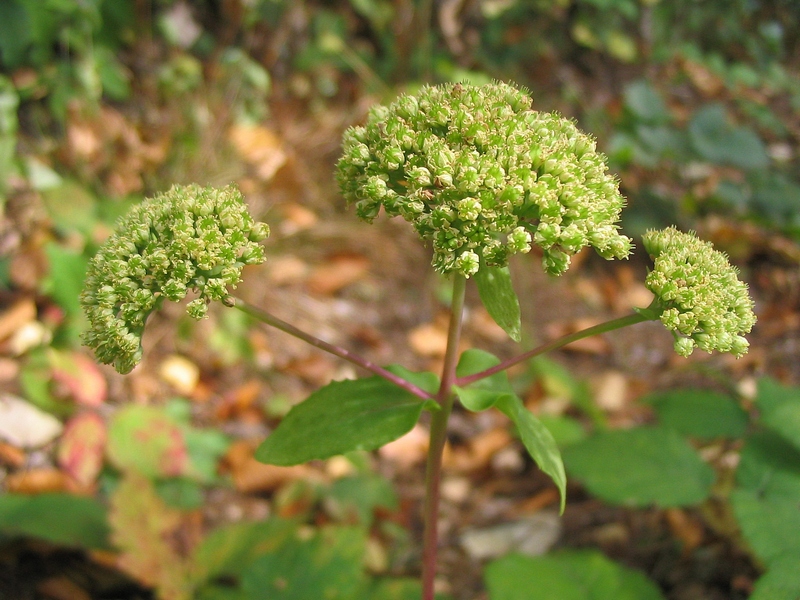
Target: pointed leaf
[[700, 413], [80, 375], [538, 441], [769, 525], [780, 582], [343, 416], [498, 296], [640, 467]]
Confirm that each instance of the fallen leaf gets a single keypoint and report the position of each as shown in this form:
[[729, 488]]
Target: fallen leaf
[[61, 587], [610, 390], [19, 314], [297, 218], [142, 528], [11, 455], [478, 452], [428, 340], [336, 274], [44, 480], [25, 426], [181, 373], [285, 270], [408, 450], [687, 529], [82, 447], [259, 147], [250, 476], [80, 375]]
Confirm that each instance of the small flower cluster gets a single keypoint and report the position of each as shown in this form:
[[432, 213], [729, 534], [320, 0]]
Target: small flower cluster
[[189, 238], [700, 296], [482, 176]]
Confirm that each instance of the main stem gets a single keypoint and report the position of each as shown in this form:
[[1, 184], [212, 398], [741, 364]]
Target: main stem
[[438, 437], [356, 359]]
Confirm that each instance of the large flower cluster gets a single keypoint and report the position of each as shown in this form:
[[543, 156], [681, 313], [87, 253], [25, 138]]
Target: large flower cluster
[[482, 176], [189, 238], [699, 294]]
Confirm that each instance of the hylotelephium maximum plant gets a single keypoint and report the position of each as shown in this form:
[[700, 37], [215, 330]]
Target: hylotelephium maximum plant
[[480, 176]]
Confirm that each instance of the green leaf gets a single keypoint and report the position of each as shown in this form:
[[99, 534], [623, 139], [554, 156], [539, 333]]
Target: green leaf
[[498, 296], [397, 589], [482, 394], [644, 101], [58, 518], [700, 413], [770, 466], [567, 575], [781, 582], [66, 272], [538, 441], [769, 525], [228, 551], [424, 380], [354, 499], [363, 414], [718, 141], [329, 565], [565, 430], [785, 420], [640, 467]]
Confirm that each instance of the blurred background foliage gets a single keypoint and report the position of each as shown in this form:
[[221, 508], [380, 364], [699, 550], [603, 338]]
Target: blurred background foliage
[[697, 105]]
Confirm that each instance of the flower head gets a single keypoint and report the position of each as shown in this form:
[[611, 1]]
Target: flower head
[[189, 238], [699, 294], [482, 176]]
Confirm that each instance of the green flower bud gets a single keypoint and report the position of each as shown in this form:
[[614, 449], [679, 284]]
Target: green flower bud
[[155, 254], [460, 142], [701, 298]]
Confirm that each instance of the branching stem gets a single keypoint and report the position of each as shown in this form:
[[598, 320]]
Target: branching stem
[[631, 319], [352, 357]]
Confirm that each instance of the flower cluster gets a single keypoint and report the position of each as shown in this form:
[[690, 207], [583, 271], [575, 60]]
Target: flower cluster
[[482, 176], [698, 293], [189, 238]]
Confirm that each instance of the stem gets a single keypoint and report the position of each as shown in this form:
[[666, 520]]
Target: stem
[[352, 357], [631, 319], [433, 473]]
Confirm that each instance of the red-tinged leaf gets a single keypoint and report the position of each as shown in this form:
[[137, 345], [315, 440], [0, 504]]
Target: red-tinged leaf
[[80, 376], [142, 528], [146, 439], [82, 446]]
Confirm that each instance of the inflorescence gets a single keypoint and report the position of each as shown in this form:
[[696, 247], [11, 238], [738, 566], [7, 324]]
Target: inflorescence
[[482, 176], [698, 293], [189, 238]]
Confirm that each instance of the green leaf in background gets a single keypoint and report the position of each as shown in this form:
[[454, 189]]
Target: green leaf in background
[[228, 551], [397, 589], [640, 467], [770, 466], [717, 141], [71, 206], [328, 565], [362, 414], [565, 430], [538, 441], [355, 499], [147, 440], [772, 394], [645, 103], [64, 282], [57, 518], [784, 419], [781, 582], [769, 525], [482, 394], [567, 575], [699, 413], [424, 380], [498, 296]]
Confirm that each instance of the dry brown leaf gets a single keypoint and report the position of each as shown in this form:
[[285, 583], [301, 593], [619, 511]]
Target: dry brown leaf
[[250, 476], [610, 390], [260, 147], [14, 317], [61, 587], [687, 529], [591, 345], [287, 269], [484, 325], [44, 480], [429, 339], [11, 455], [408, 450], [478, 452], [181, 373], [297, 218], [336, 274]]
